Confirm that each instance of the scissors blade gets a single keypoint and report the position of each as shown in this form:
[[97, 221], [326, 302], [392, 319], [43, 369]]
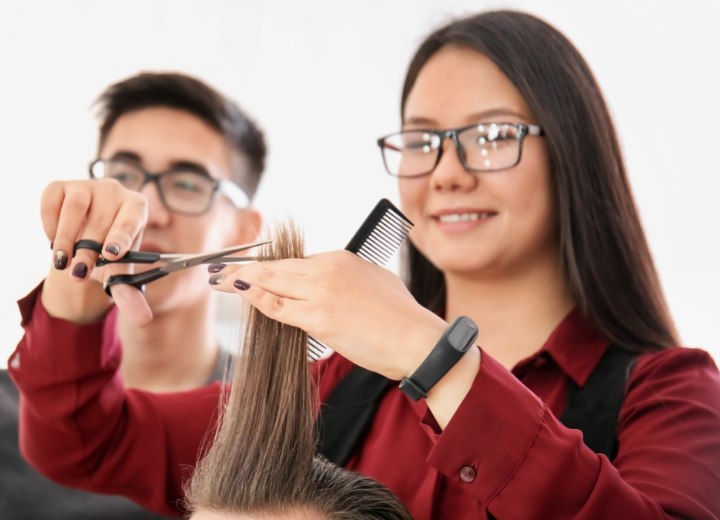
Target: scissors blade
[[186, 261], [221, 260], [231, 259]]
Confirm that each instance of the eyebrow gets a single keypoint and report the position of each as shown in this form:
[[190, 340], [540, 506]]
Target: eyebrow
[[126, 155], [475, 116], [189, 166]]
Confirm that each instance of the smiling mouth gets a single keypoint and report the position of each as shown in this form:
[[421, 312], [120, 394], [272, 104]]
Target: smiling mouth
[[451, 218]]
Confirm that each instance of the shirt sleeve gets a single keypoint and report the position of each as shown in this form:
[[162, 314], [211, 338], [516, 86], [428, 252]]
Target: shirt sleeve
[[519, 461], [81, 428]]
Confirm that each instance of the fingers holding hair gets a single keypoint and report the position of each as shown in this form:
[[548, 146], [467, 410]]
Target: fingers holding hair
[[280, 306], [287, 278]]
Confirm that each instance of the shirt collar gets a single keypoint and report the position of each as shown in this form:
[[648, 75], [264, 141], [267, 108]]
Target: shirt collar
[[575, 346]]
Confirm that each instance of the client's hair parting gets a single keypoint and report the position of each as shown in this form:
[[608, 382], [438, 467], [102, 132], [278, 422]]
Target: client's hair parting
[[262, 459]]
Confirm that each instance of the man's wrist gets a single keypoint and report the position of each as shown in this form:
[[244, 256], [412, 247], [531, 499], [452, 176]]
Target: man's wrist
[[78, 302]]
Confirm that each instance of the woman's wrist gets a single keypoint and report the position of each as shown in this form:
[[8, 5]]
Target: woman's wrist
[[455, 341], [420, 341], [446, 396]]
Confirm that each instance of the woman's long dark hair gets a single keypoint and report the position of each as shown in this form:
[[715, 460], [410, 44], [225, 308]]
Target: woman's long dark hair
[[262, 459], [605, 256]]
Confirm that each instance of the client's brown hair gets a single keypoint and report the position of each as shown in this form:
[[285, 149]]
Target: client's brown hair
[[262, 459]]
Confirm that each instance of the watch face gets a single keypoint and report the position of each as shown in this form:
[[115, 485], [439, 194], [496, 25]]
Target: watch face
[[462, 334]]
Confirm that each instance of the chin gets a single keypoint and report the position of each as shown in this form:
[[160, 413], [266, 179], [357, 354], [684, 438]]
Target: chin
[[158, 288], [164, 295], [179, 290], [465, 264]]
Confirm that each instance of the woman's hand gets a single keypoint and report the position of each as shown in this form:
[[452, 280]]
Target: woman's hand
[[361, 310], [100, 210]]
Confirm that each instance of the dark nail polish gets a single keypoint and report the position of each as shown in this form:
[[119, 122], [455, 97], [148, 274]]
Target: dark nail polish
[[61, 259], [240, 285], [80, 270], [215, 268], [216, 279], [113, 249]]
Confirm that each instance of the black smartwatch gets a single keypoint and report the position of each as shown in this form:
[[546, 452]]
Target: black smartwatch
[[453, 344]]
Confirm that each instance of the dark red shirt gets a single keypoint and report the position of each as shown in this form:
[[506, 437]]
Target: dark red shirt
[[504, 454]]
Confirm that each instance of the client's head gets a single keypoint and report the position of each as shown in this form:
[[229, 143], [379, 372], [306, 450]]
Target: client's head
[[262, 464]]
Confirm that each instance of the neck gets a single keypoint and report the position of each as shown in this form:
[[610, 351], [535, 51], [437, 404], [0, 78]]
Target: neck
[[515, 313], [176, 351]]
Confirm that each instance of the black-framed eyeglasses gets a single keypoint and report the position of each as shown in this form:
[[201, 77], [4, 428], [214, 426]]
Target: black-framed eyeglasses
[[184, 190], [482, 147]]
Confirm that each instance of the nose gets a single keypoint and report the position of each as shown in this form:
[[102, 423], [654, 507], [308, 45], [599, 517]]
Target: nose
[[449, 173], [158, 214]]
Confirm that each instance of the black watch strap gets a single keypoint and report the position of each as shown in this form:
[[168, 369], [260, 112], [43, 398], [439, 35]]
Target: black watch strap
[[455, 341]]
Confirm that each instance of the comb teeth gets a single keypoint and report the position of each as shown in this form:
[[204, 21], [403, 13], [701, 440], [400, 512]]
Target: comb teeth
[[378, 239], [315, 349], [385, 239]]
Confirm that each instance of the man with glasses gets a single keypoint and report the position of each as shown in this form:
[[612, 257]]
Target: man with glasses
[[188, 156]]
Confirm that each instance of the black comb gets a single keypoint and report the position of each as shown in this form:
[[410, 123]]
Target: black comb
[[377, 240]]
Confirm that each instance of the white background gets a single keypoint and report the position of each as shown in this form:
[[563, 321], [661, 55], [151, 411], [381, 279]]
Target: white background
[[323, 78]]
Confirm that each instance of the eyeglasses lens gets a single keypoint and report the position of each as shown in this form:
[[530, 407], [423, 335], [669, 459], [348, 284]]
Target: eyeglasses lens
[[485, 147], [410, 153], [490, 147], [182, 191], [188, 192]]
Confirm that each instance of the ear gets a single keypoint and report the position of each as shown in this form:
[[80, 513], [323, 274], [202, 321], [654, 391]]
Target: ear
[[245, 228]]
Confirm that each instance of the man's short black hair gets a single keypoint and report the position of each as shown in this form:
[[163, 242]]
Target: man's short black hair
[[183, 92]]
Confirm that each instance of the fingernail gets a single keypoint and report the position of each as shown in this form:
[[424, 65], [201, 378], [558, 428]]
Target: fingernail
[[215, 268], [113, 248], [240, 285], [216, 279], [61, 259], [80, 270]]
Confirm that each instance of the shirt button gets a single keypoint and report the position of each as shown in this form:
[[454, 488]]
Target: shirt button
[[467, 474]]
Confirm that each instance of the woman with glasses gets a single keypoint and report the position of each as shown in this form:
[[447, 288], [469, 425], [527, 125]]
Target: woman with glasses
[[538, 368]]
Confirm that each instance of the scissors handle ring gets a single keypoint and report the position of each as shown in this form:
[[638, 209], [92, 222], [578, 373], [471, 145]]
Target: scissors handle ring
[[87, 243], [131, 257], [136, 280]]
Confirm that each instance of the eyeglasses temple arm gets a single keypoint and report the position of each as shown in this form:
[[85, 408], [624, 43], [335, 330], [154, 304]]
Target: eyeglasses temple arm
[[233, 192], [534, 130]]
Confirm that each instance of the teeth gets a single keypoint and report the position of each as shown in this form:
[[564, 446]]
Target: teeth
[[463, 217]]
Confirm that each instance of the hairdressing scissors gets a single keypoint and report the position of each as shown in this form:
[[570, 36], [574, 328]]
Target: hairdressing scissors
[[173, 262]]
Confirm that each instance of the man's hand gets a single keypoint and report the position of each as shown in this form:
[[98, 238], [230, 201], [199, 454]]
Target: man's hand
[[100, 210]]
